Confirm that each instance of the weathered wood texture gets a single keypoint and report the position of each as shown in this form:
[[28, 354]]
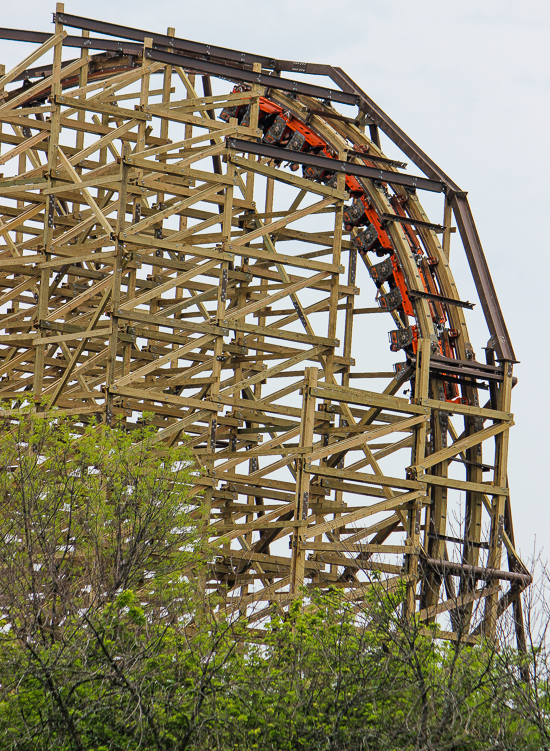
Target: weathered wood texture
[[147, 265]]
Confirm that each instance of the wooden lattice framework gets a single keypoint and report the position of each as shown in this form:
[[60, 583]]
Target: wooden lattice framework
[[156, 258]]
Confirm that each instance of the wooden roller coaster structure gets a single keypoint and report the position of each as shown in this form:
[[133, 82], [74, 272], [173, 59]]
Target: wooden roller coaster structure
[[204, 257]]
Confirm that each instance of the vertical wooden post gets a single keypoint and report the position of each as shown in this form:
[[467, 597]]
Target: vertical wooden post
[[49, 213], [333, 304], [81, 116], [218, 343], [117, 285], [335, 279], [473, 515], [187, 134], [436, 513], [2, 73], [421, 391], [303, 481], [447, 221], [499, 501], [82, 81]]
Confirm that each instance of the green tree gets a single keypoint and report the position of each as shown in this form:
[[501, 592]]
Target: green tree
[[109, 641]]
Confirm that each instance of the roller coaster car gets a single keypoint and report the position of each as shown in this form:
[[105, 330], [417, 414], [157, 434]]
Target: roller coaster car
[[379, 272], [228, 112], [399, 368], [404, 338], [244, 116], [331, 180], [312, 173], [296, 142], [354, 215], [366, 239], [392, 300], [275, 132]]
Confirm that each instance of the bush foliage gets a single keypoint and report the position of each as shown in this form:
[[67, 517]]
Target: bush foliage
[[109, 641]]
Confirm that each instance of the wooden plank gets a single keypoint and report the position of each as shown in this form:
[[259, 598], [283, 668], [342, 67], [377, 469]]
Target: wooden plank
[[178, 247], [105, 258], [277, 174], [95, 289], [172, 323], [170, 169], [459, 446], [27, 144], [288, 260], [311, 354], [93, 334], [358, 440], [43, 85], [180, 401], [474, 487], [30, 59], [270, 299], [173, 355], [170, 284], [457, 602], [366, 548], [465, 409], [344, 519], [387, 482], [288, 219], [369, 399], [92, 105], [274, 333]]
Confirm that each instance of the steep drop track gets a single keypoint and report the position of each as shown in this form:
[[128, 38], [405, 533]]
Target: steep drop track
[[227, 261]]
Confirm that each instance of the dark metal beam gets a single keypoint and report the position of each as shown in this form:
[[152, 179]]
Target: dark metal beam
[[479, 366], [441, 298], [376, 158], [462, 212], [335, 165], [482, 276], [437, 367], [391, 129], [198, 64], [164, 41], [408, 220], [339, 117], [478, 572], [20, 35], [350, 94], [248, 76]]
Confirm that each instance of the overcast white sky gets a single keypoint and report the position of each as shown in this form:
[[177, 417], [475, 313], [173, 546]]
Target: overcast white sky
[[469, 82]]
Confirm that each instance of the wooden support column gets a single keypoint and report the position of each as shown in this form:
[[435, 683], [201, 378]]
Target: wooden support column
[[49, 213], [473, 516], [421, 392], [82, 81], [333, 318], [436, 512], [335, 278], [81, 116], [498, 501], [218, 342], [303, 480], [117, 285], [237, 296], [447, 222]]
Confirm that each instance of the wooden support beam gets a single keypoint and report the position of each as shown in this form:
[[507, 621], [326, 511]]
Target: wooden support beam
[[142, 270]]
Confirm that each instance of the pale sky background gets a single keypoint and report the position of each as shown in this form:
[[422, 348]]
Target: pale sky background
[[469, 82]]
